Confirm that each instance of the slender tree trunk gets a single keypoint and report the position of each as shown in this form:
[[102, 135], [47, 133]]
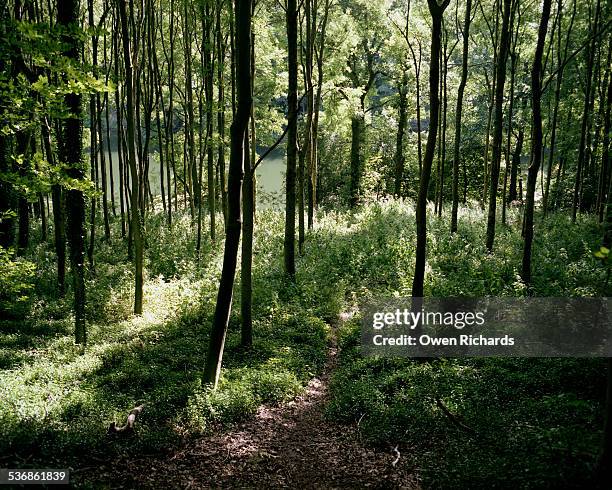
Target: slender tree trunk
[[586, 116], [494, 33], [239, 130], [437, 12], [221, 113], [120, 154], [458, 113], [71, 146], [103, 170], [536, 145], [417, 74], [500, 78], [208, 83], [170, 119], [93, 141], [301, 202], [246, 261], [515, 20], [357, 123], [401, 129], [136, 223], [443, 120], [289, 242], [59, 227], [605, 151], [561, 57], [314, 172], [248, 208]]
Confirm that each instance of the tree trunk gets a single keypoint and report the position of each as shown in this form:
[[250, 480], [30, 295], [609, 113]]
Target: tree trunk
[[443, 119], [500, 79], [561, 57], [289, 242], [71, 147], [458, 112], [357, 124], [436, 11], [239, 130], [246, 259], [59, 227], [401, 129], [536, 145], [586, 116], [221, 114], [605, 152], [208, 84], [136, 223], [314, 177]]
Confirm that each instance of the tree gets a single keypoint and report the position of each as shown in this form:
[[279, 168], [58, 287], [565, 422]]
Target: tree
[[586, 114], [500, 79], [561, 56], [536, 144], [402, 103], [71, 148], [460, 91], [239, 130], [135, 221], [292, 109], [437, 12], [363, 67]]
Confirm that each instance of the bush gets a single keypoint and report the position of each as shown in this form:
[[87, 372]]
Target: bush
[[16, 282]]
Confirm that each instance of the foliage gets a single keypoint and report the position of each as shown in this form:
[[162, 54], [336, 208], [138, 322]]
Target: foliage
[[547, 409], [55, 401], [16, 282]]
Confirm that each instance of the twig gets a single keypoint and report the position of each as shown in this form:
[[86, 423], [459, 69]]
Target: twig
[[129, 424], [280, 139], [454, 418], [397, 456]]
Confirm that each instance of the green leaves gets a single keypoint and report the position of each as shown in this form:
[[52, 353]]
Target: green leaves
[[16, 281], [602, 253]]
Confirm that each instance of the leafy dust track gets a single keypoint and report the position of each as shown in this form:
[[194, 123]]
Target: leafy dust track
[[287, 446]]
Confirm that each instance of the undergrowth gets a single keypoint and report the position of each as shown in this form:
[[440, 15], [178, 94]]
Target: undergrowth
[[532, 422]]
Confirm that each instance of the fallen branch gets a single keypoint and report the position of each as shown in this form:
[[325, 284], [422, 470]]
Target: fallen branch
[[454, 418], [397, 456], [129, 424]]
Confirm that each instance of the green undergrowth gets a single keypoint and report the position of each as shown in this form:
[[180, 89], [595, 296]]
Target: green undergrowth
[[56, 403], [522, 422], [481, 422]]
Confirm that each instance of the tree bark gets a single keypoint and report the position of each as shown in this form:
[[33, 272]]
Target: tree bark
[[586, 116], [436, 11], [290, 194], [239, 130], [401, 130], [500, 79], [536, 145], [458, 113], [561, 57], [136, 222], [71, 147], [357, 124]]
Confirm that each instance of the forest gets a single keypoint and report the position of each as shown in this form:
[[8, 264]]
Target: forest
[[199, 199]]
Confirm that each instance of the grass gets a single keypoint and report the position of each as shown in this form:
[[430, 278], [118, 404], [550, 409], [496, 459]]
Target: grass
[[531, 423], [57, 403], [534, 422]]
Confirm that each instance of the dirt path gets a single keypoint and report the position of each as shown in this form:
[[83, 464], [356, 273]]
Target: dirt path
[[288, 446]]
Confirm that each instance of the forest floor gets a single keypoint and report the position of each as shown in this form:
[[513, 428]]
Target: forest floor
[[290, 445], [302, 406]]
